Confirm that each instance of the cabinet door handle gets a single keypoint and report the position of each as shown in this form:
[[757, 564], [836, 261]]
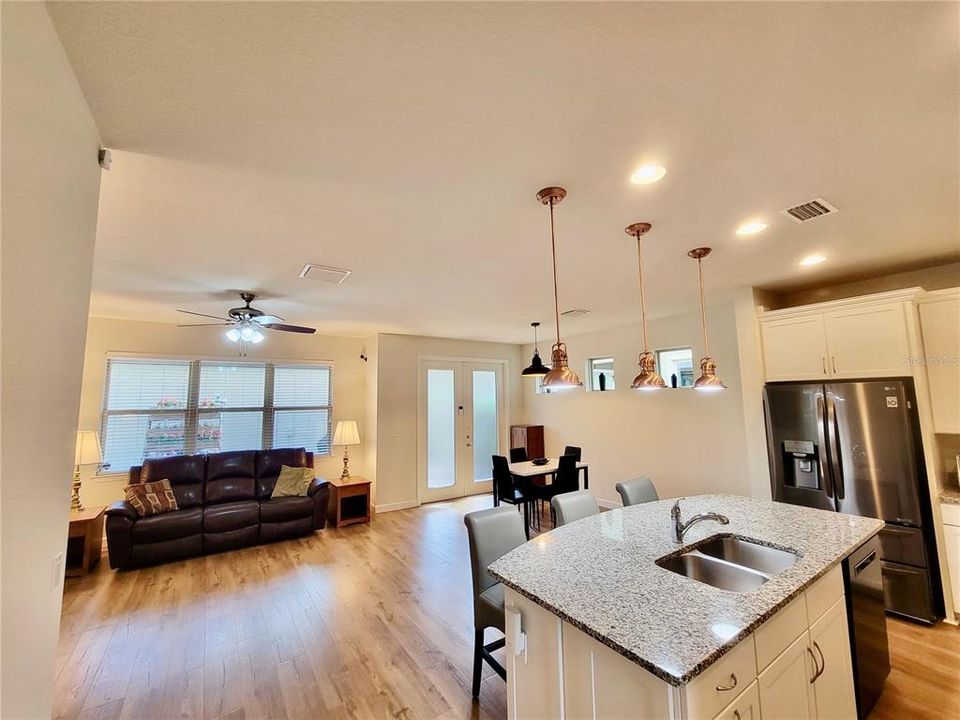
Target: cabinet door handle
[[816, 666], [823, 660], [731, 686], [736, 714], [833, 362], [823, 362]]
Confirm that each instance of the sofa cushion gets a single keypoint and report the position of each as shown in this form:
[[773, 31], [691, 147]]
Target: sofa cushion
[[152, 498], [185, 473], [230, 516], [292, 482], [269, 463], [168, 526], [230, 477], [284, 509]]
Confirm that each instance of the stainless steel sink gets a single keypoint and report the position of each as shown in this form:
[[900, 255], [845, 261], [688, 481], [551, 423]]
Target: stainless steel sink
[[730, 563], [747, 553], [711, 571]]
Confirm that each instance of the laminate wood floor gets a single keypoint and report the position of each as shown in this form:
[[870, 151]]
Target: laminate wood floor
[[369, 621]]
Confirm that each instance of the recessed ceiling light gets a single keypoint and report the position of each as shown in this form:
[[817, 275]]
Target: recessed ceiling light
[[647, 174], [812, 260], [751, 228]]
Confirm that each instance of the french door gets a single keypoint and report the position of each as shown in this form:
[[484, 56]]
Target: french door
[[462, 423]]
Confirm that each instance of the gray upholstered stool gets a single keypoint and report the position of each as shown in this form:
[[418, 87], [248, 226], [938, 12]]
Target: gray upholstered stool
[[573, 506], [636, 491]]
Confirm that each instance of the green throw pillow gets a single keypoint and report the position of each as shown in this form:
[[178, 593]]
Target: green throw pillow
[[292, 482]]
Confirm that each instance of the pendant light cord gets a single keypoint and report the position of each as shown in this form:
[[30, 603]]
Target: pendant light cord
[[553, 251], [643, 307], [703, 312]]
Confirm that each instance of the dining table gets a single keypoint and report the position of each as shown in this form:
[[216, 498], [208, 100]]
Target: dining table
[[543, 474]]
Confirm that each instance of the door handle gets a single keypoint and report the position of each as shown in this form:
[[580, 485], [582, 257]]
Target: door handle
[[894, 531], [816, 666], [823, 660], [833, 362], [886, 570], [822, 449], [865, 563], [823, 362], [731, 686], [837, 465]]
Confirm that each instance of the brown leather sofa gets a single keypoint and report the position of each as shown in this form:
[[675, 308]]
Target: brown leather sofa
[[224, 502]]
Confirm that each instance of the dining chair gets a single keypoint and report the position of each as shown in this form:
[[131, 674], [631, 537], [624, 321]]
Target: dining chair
[[518, 455], [507, 490], [573, 450], [492, 534], [572, 506], [636, 491]]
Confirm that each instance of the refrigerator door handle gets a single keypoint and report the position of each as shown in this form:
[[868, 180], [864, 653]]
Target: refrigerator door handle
[[822, 449], [832, 432]]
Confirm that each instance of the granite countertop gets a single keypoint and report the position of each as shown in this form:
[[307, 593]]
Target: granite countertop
[[600, 575], [950, 495]]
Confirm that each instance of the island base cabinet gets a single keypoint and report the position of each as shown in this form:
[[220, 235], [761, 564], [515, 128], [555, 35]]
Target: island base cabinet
[[534, 673], [786, 687], [745, 707], [833, 687]]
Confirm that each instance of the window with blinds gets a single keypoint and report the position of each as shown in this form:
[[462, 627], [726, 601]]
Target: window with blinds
[[158, 408]]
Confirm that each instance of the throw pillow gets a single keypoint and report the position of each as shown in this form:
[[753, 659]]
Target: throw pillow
[[292, 482], [151, 498]]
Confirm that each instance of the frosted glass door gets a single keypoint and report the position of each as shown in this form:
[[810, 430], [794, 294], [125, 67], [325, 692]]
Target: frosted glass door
[[441, 429], [486, 428]]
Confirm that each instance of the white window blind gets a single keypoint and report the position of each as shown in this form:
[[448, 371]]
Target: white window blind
[[159, 408]]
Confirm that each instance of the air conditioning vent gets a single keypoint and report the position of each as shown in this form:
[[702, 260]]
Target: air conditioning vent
[[817, 207], [324, 273], [574, 313]]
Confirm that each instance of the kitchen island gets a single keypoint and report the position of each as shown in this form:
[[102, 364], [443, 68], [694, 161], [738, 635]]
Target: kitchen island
[[599, 626]]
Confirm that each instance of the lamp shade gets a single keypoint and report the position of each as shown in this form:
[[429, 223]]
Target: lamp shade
[[346, 433], [88, 448]]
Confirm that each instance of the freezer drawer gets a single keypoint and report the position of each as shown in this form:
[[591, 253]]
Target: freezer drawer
[[906, 591], [903, 545]]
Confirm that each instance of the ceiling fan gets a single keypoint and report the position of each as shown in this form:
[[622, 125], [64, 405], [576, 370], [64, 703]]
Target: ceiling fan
[[246, 322]]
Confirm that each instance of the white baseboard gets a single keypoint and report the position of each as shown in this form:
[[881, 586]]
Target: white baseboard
[[402, 505]]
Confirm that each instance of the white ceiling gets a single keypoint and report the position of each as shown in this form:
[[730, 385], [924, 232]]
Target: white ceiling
[[406, 142]]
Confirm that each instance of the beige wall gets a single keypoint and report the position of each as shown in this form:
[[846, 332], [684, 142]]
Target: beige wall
[[51, 183], [160, 339], [397, 400], [687, 441]]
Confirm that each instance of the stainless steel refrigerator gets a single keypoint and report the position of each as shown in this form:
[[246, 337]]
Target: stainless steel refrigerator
[[854, 447]]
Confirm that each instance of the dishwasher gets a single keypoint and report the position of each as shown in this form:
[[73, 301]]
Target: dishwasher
[[867, 622]]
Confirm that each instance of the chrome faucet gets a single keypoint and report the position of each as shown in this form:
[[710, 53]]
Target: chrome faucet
[[680, 527]]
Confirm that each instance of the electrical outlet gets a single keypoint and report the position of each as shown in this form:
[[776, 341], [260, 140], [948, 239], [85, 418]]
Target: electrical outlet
[[57, 572]]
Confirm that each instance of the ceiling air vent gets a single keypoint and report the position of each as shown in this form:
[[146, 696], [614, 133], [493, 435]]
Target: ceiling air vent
[[324, 273], [574, 313], [809, 210]]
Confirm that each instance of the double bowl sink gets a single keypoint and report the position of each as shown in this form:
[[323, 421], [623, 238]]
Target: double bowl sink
[[730, 563]]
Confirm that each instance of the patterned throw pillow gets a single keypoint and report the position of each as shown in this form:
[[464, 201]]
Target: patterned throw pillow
[[151, 498], [292, 482]]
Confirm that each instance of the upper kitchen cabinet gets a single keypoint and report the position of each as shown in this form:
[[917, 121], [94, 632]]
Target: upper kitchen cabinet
[[940, 327], [852, 338]]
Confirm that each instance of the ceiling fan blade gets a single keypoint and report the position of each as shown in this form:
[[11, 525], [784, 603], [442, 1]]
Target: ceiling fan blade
[[206, 324], [267, 319], [215, 317], [290, 328]]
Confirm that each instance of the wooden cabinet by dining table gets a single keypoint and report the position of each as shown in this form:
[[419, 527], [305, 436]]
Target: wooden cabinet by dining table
[[529, 437]]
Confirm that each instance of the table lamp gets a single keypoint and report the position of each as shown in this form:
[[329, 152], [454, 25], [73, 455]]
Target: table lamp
[[87, 453], [346, 434]]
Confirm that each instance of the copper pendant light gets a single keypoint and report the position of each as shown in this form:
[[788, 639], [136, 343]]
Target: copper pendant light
[[649, 378], [536, 368], [708, 379], [560, 377]]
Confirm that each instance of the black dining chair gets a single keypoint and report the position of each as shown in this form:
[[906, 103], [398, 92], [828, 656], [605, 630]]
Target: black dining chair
[[518, 455], [575, 451], [507, 490], [566, 479]]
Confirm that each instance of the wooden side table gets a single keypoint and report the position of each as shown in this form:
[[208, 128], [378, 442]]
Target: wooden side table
[[84, 541], [349, 501]]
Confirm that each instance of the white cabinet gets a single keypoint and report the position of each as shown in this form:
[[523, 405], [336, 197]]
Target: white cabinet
[[745, 707], [854, 338], [868, 342], [833, 686], [940, 327], [786, 690], [795, 349], [951, 537]]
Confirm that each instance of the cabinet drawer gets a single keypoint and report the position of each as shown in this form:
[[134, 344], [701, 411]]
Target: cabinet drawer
[[709, 693], [745, 707], [779, 632], [824, 593], [903, 545], [950, 513]]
